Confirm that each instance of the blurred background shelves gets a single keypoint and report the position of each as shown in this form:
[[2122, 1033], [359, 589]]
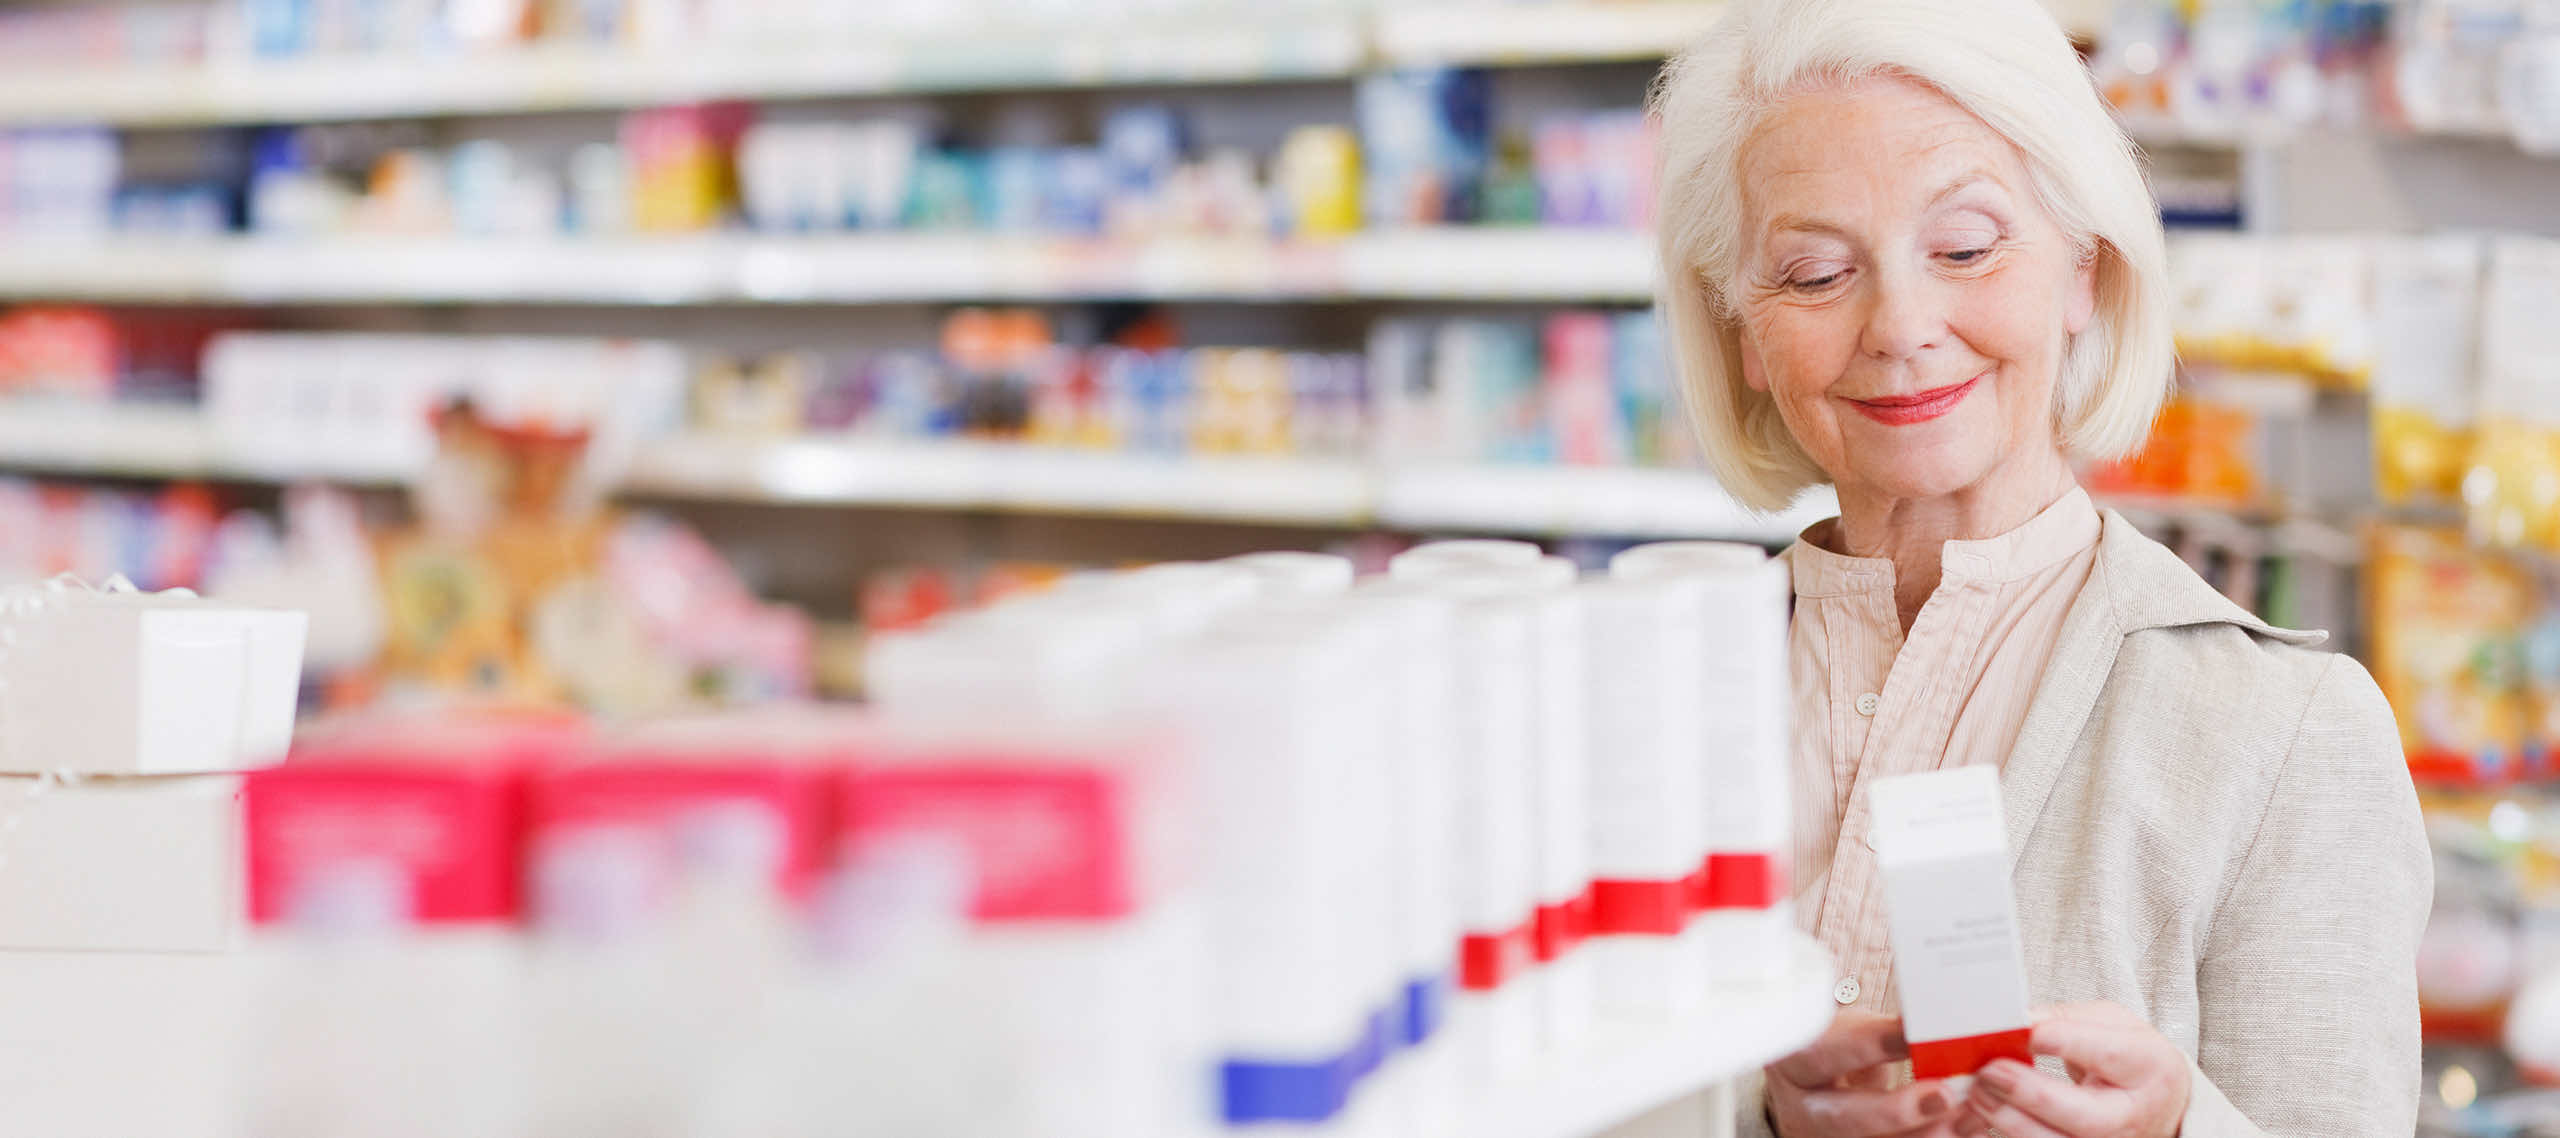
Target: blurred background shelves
[[537, 79], [1453, 263], [996, 477], [1503, 35], [1622, 501], [1227, 48], [1007, 477], [1294, 46]]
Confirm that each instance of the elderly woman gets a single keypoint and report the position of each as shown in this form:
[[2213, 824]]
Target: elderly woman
[[1908, 254]]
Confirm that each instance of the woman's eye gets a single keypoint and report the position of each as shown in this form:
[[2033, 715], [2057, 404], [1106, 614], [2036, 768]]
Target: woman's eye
[[1816, 284], [1967, 256]]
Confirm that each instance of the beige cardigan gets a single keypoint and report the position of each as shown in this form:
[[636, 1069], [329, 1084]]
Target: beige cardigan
[[2211, 824]]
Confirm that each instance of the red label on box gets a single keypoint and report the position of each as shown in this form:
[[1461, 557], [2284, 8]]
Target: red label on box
[[1046, 843], [1948, 1058], [452, 832], [662, 798], [1745, 881], [1641, 908], [1487, 961], [1561, 926]]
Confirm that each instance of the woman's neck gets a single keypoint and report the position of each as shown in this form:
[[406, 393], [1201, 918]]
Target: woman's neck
[[1913, 532]]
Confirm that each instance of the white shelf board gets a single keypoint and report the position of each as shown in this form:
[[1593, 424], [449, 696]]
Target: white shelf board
[[145, 442], [996, 477], [1006, 477], [1619, 501], [1472, 497], [1224, 48], [164, 442], [1564, 265], [1630, 1068], [1493, 263], [1498, 34], [1208, 48]]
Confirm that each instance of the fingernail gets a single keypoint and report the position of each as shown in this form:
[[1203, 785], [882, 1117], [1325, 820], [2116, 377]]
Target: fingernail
[[1933, 1105], [2001, 1078]]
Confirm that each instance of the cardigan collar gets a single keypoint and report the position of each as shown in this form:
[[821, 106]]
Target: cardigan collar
[[2136, 584]]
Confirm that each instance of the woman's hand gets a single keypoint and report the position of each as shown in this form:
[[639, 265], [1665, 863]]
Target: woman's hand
[[2128, 1081], [1835, 1087]]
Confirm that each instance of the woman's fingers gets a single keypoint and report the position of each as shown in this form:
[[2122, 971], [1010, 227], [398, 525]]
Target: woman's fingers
[[1913, 1108], [2108, 1051], [1981, 1118], [1853, 1043], [2094, 1011], [2060, 1106]]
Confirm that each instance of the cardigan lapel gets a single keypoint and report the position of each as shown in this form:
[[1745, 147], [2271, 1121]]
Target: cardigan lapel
[[2083, 655], [2136, 584]]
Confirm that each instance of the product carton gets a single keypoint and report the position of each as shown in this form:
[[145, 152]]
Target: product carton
[[120, 865], [126, 683], [1943, 850]]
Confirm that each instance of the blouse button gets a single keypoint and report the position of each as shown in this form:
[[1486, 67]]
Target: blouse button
[[1846, 991], [1867, 704]]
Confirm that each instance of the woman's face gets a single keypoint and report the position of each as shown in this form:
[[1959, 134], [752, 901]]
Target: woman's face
[[1905, 300]]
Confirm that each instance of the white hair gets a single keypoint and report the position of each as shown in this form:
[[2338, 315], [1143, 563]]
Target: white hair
[[2008, 64]]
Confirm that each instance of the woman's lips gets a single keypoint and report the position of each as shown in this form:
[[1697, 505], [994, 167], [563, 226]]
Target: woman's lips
[[1919, 407]]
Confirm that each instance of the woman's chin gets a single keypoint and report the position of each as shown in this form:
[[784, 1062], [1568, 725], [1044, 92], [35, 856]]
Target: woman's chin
[[1905, 472]]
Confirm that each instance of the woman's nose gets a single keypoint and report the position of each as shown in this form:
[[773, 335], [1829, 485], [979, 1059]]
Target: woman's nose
[[1903, 318]]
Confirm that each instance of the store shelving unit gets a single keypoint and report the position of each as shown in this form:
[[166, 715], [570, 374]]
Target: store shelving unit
[[1001, 477], [1297, 45], [1227, 47], [1563, 265], [1343, 493], [102, 1012], [1628, 1069], [1232, 48]]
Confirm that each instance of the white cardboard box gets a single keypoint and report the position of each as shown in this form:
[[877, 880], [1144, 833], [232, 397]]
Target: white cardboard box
[[1944, 853], [121, 865], [114, 1045], [136, 684]]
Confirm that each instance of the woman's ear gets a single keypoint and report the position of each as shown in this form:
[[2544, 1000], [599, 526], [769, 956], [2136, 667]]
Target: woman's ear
[[2082, 301], [1753, 374]]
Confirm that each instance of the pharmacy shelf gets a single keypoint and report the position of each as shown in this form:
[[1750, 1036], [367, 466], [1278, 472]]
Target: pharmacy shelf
[[1236, 45], [1621, 501], [1243, 44], [156, 442], [1225, 47], [1523, 34], [1529, 264], [1007, 478], [1630, 1068], [1341, 493], [976, 476]]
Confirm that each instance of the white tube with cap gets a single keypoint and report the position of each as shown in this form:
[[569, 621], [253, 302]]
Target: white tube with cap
[[1495, 1017], [1433, 559], [1750, 910], [1287, 574], [1418, 670], [1647, 836], [1038, 660], [1284, 717], [1662, 559]]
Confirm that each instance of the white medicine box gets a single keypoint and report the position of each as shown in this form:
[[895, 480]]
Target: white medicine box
[[121, 864], [1942, 847], [136, 684]]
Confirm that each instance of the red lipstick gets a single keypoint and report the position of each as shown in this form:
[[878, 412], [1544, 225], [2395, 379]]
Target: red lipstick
[[1919, 407]]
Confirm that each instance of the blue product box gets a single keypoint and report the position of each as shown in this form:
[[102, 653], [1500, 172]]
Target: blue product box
[[1427, 143]]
